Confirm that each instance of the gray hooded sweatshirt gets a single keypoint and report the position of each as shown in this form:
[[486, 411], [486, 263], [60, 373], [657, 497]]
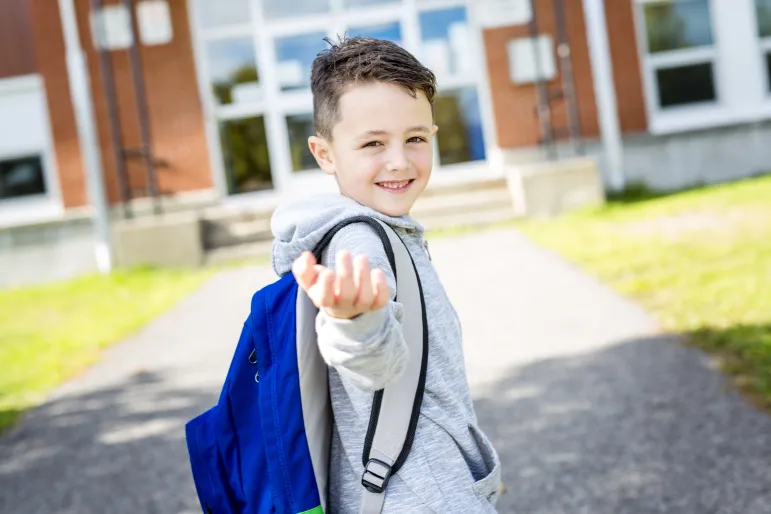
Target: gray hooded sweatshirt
[[452, 466]]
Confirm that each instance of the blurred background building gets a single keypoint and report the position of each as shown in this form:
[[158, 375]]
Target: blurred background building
[[213, 107]]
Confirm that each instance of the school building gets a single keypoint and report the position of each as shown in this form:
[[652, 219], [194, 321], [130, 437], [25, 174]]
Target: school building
[[208, 101]]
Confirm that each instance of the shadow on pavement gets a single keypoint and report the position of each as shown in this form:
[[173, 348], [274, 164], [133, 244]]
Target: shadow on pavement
[[642, 427], [119, 449]]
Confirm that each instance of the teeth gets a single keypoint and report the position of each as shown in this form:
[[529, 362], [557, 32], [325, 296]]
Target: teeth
[[395, 185]]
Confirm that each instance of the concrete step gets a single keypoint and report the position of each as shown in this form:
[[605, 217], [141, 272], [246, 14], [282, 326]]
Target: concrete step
[[453, 203], [238, 230], [447, 206], [259, 251], [467, 219], [464, 187]]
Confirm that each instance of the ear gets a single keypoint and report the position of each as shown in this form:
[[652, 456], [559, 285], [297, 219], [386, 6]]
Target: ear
[[434, 129], [322, 151]]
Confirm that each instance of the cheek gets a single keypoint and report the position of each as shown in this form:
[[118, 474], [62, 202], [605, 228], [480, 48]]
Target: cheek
[[361, 169], [422, 158]]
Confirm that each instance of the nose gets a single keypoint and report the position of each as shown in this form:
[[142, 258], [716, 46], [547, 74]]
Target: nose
[[397, 160]]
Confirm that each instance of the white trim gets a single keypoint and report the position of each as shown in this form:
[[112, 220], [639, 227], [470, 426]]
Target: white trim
[[440, 5], [226, 32], [276, 105], [29, 209], [275, 124], [604, 91], [493, 152], [51, 200], [296, 102], [682, 57], [20, 83], [451, 82], [241, 110], [211, 129], [742, 84], [707, 117]]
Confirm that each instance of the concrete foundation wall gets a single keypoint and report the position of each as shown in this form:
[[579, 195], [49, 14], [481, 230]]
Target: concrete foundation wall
[[46, 252], [704, 157], [682, 160]]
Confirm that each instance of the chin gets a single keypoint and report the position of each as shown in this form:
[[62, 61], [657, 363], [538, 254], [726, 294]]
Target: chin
[[394, 211]]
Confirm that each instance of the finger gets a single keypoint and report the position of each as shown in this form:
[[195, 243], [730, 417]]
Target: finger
[[381, 289], [322, 293], [362, 275], [345, 290], [306, 270]]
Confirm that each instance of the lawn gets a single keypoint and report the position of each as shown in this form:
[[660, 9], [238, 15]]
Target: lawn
[[50, 333], [699, 260]]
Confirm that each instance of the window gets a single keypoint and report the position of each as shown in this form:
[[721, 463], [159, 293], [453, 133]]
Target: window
[[295, 55], [763, 9], [255, 63], [368, 3], [460, 136], [288, 8], [445, 36], [389, 31], [215, 14], [682, 85], [300, 128], [680, 52], [233, 70], [21, 177], [245, 152]]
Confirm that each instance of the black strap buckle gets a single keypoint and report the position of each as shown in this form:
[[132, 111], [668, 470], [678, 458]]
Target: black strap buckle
[[376, 476]]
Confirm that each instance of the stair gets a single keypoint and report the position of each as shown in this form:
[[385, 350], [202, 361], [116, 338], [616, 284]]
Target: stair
[[475, 204], [243, 235]]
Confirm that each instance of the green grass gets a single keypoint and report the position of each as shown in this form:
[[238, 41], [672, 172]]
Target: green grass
[[50, 333], [699, 260]]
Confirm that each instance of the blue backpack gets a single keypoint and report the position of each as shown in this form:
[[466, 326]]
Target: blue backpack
[[265, 447]]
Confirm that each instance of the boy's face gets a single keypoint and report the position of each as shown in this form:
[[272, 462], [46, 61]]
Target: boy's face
[[381, 147]]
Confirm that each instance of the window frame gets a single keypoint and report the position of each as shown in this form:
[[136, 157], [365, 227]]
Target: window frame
[[764, 43], [652, 62], [741, 92], [276, 105], [38, 207]]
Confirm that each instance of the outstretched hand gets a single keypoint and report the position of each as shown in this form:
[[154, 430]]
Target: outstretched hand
[[351, 290]]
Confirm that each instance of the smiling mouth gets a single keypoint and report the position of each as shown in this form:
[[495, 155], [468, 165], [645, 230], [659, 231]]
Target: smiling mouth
[[396, 186]]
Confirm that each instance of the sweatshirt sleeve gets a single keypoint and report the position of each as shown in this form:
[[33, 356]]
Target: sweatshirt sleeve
[[369, 349]]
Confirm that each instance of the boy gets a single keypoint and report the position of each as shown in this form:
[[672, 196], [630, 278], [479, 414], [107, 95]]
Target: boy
[[373, 111]]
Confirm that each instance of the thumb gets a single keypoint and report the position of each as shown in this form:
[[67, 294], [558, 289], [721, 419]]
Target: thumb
[[305, 270]]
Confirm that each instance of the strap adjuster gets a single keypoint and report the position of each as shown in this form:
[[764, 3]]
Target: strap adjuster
[[376, 476]]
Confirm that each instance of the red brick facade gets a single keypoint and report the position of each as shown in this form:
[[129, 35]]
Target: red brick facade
[[176, 118], [514, 105]]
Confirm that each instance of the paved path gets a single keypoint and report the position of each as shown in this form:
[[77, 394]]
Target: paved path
[[591, 411]]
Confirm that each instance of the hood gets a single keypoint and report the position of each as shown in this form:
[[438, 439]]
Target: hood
[[299, 225]]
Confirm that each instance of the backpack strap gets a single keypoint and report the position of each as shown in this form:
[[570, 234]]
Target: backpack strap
[[393, 419]]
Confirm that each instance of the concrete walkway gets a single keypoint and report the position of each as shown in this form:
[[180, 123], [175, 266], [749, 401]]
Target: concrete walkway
[[591, 410]]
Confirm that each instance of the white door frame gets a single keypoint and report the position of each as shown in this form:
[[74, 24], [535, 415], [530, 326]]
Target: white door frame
[[277, 105]]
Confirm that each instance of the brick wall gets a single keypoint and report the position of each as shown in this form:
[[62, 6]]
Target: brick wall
[[514, 105], [176, 119], [17, 53]]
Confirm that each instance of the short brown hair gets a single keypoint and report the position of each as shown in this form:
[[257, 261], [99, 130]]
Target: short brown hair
[[362, 60]]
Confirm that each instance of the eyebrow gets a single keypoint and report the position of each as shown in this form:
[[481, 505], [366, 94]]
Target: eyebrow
[[417, 128]]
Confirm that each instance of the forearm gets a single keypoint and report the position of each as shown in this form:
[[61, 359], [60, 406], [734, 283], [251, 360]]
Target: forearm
[[369, 350]]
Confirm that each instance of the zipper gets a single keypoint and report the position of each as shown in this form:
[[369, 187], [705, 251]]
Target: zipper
[[425, 248]]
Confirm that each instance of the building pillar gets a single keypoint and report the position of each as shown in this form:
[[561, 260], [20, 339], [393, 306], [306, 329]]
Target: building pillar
[[604, 91], [80, 93]]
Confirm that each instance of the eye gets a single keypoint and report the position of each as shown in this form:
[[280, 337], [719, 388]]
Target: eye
[[372, 144], [416, 139]]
